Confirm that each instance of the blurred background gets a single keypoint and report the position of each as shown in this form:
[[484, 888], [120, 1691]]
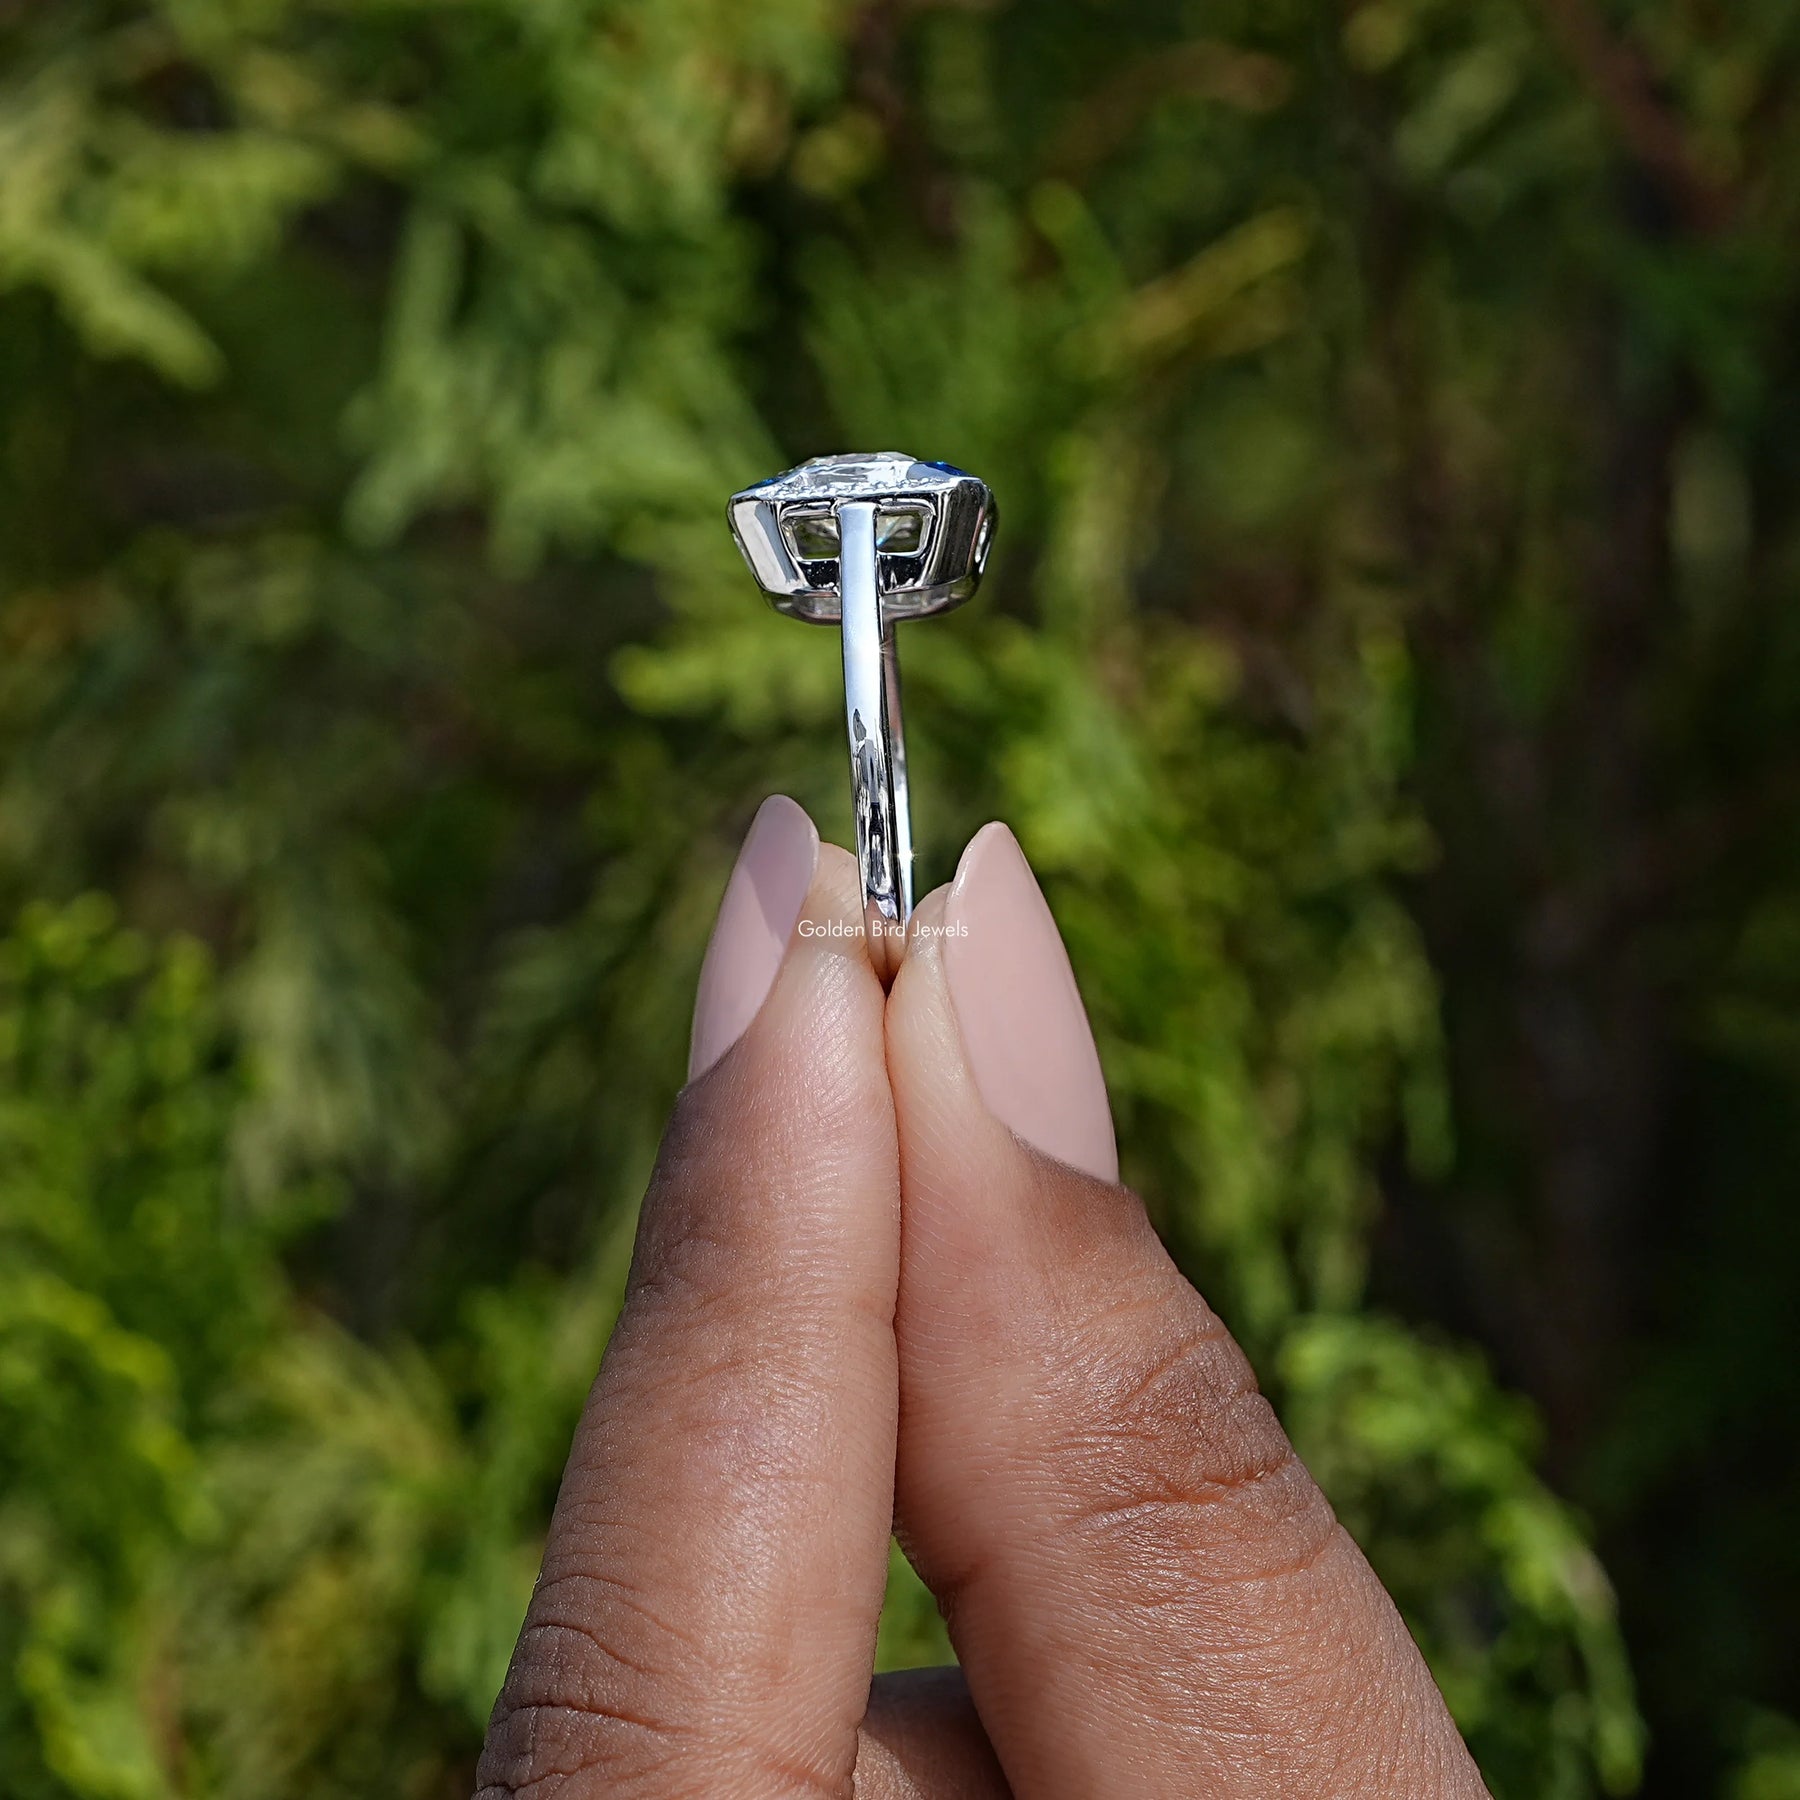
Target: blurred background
[[1390, 661]]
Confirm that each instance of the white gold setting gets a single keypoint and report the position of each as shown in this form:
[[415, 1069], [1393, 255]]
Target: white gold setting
[[863, 542]]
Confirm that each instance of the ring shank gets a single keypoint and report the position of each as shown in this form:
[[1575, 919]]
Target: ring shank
[[877, 747], [896, 725]]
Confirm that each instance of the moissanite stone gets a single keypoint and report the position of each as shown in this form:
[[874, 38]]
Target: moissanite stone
[[852, 477]]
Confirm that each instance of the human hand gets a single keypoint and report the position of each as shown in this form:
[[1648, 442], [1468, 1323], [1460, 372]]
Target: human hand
[[885, 1279]]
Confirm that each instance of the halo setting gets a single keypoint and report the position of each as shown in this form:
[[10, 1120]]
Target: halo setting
[[934, 525]]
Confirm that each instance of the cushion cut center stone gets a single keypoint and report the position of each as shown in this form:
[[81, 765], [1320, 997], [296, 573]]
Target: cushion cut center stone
[[859, 477]]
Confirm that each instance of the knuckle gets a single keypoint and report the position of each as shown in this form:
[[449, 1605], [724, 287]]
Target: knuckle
[[636, 1636], [582, 1698], [539, 1740], [623, 1705], [1179, 1464]]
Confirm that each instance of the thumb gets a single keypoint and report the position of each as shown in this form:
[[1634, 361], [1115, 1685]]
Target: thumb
[[1138, 1572]]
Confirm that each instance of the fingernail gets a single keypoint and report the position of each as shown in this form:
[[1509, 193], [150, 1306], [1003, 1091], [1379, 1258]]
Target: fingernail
[[1023, 1025], [756, 918]]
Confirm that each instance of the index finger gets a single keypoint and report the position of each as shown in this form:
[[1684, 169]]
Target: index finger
[[1146, 1588], [705, 1620]]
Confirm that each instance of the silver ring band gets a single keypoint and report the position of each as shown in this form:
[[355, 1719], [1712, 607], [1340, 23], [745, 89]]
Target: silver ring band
[[872, 716], [896, 723]]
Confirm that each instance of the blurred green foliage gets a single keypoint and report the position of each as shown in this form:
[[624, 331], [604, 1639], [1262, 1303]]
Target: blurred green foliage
[[1389, 663]]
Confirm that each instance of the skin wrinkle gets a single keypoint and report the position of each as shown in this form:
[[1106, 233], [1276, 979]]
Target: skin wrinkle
[[744, 1602], [618, 1589], [758, 1374], [1107, 1667], [1153, 1506], [1244, 1523], [1260, 1676], [747, 1311], [737, 1465], [1090, 1481], [1207, 1335], [596, 1691], [1191, 1400], [1122, 1460], [759, 1566], [591, 1729], [763, 1288], [542, 1629], [790, 1776], [1260, 1642]]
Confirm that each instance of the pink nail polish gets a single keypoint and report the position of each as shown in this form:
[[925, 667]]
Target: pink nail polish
[[756, 919], [1023, 1025]]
